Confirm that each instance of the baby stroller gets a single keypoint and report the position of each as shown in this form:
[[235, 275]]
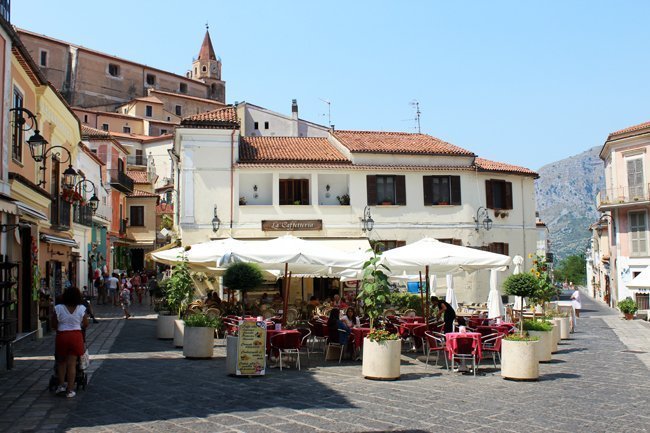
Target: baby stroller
[[81, 378]]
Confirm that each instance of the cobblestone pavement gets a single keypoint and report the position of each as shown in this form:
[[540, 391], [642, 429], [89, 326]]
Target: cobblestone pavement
[[141, 384]]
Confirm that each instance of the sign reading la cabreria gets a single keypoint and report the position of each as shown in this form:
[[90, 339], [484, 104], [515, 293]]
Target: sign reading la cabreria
[[291, 225]]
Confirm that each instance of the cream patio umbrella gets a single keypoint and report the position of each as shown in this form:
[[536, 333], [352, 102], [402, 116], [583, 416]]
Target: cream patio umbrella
[[494, 303], [450, 297], [518, 261]]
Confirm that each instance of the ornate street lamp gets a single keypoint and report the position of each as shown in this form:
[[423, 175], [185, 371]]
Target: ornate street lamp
[[216, 222], [93, 202], [482, 212], [367, 221], [606, 219], [38, 146]]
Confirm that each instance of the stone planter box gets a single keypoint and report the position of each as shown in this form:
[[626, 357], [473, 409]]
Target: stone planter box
[[381, 360], [544, 345], [556, 334], [165, 327], [565, 328], [232, 343], [179, 330], [198, 343], [519, 360]]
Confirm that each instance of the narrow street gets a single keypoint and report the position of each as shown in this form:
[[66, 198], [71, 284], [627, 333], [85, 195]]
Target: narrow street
[[596, 382]]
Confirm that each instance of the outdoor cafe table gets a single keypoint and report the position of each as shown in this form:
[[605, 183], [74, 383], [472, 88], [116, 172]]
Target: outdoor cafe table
[[407, 327], [412, 319], [359, 335], [271, 332], [450, 344]]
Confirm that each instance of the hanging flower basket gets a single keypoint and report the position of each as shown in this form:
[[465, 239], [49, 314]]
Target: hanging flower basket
[[72, 197]]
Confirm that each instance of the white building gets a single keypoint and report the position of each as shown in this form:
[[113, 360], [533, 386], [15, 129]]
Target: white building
[[415, 185]]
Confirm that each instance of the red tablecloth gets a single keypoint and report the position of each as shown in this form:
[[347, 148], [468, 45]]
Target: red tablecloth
[[405, 329], [412, 319], [271, 332], [359, 335], [451, 344]]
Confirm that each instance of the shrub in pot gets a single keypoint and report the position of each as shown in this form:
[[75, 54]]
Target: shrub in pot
[[198, 338], [381, 349], [242, 277], [544, 331], [518, 352], [628, 307], [177, 292]]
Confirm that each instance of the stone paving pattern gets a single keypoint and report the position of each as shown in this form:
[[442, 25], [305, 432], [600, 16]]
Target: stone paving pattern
[[141, 384]]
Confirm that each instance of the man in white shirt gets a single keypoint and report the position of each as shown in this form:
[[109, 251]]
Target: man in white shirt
[[113, 285]]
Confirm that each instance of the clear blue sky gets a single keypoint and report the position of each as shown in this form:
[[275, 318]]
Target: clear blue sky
[[523, 82]]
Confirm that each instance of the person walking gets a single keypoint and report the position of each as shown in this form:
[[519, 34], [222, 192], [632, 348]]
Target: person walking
[[575, 299], [100, 288], [69, 318], [125, 298], [113, 286]]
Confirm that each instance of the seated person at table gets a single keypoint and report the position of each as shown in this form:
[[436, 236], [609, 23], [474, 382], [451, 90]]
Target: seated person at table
[[338, 303], [350, 317], [334, 323], [213, 300], [266, 299], [446, 311], [311, 307]]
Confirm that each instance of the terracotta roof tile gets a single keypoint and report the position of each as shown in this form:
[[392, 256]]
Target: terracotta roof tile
[[224, 118], [487, 165], [138, 176], [140, 193], [288, 149], [397, 142], [89, 132], [633, 128]]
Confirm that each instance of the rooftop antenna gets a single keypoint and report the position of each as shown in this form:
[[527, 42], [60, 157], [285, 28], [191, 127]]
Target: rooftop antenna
[[329, 112], [414, 103]]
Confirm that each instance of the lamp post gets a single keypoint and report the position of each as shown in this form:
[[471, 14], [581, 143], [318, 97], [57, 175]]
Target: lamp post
[[37, 146], [367, 221], [93, 201], [482, 212]]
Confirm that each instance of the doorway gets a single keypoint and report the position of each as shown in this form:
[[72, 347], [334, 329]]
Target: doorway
[[137, 259]]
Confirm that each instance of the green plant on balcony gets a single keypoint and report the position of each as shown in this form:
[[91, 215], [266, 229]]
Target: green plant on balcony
[[344, 199]]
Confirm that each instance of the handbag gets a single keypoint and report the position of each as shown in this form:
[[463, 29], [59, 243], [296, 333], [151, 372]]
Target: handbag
[[84, 360]]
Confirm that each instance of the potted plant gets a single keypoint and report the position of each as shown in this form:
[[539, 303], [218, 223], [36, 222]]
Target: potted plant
[[242, 277], [628, 307], [518, 351], [381, 349], [178, 291], [242, 201], [544, 331], [198, 340], [344, 199]]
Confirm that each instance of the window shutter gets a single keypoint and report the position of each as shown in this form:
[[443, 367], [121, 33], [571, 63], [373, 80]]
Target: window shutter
[[400, 190], [371, 189], [427, 188], [283, 191], [304, 191], [455, 189], [488, 195], [399, 244], [508, 195], [506, 249]]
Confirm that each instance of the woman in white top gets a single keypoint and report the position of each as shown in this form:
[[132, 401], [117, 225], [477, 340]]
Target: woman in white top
[[68, 319], [575, 299]]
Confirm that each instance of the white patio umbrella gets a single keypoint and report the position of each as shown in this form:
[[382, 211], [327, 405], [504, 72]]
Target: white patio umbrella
[[494, 303], [450, 297], [518, 261], [205, 254]]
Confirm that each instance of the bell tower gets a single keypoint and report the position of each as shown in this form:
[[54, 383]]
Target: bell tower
[[207, 68]]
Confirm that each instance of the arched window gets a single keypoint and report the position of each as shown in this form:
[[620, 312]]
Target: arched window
[[204, 68]]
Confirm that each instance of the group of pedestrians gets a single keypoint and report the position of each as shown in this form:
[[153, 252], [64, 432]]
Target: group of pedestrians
[[122, 289]]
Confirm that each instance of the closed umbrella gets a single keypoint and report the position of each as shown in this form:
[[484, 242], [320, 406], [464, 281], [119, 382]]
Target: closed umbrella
[[494, 303], [450, 298], [518, 261]]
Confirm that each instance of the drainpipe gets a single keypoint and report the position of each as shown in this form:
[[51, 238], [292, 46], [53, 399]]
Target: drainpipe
[[232, 177]]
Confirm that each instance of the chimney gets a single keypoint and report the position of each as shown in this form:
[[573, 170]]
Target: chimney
[[294, 118]]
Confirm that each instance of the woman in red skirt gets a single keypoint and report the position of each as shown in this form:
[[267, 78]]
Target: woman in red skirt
[[69, 318]]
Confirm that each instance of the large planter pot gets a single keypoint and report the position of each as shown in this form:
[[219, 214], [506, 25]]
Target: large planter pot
[[198, 342], [165, 327], [381, 360], [565, 328], [232, 343], [179, 330], [556, 333], [629, 316], [544, 345], [519, 360]]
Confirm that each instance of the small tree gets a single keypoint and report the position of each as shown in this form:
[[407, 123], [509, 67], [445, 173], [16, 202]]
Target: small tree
[[545, 291], [375, 289], [179, 289], [242, 277], [523, 285]]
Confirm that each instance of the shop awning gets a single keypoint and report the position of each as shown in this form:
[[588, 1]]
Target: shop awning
[[51, 239], [142, 239], [26, 209], [9, 207]]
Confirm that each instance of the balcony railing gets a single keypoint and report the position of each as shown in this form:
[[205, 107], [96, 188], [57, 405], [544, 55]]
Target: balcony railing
[[60, 214], [136, 160], [5, 10], [623, 195], [83, 215], [120, 181], [123, 225]]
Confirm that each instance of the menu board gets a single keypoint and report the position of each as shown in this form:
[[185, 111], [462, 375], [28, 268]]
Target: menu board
[[251, 348]]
